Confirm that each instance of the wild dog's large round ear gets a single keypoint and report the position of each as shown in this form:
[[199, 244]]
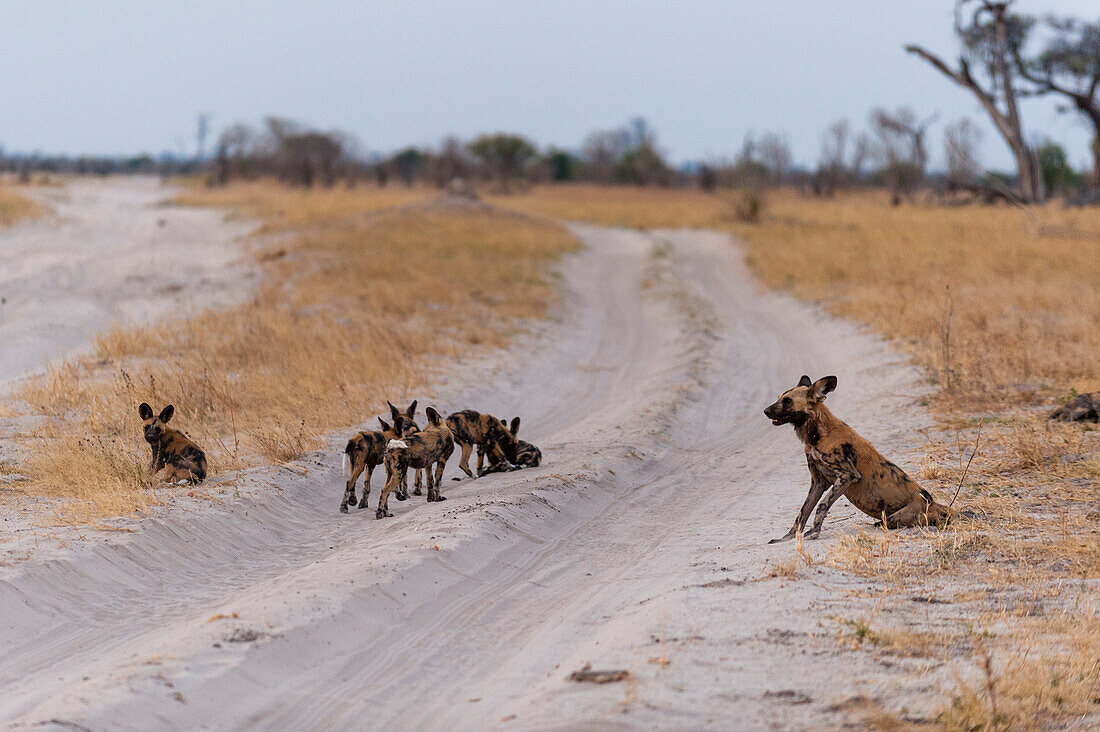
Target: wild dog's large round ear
[[398, 421], [515, 426], [823, 386], [145, 411], [394, 411], [166, 413], [411, 411], [805, 381], [385, 427], [433, 415]]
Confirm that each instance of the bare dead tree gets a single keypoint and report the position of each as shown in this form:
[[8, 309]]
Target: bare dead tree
[[1069, 65], [202, 130], [901, 149], [832, 172], [862, 151], [603, 150], [990, 37], [960, 149], [775, 153]]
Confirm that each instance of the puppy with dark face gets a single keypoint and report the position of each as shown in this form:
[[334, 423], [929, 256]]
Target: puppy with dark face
[[526, 456], [173, 451], [407, 417], [842, 463], [424, 449]]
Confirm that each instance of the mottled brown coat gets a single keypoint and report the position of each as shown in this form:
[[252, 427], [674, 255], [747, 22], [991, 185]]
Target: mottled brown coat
[[409, 416], [365, 451], [527, 455], [842, 463], [428, 448], [173, 451], [491, 436]]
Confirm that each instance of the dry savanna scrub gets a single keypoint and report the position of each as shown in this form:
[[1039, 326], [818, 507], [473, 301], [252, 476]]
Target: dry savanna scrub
[[17, 207], [355, 308]]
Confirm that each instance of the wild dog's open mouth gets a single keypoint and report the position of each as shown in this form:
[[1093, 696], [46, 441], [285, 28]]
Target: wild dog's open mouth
[[777, 422]]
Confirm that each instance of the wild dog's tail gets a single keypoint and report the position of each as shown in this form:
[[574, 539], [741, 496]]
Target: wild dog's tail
[[351, 447]]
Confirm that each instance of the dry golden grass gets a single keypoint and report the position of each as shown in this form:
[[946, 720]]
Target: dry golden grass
[[353, 310], [282, 208], [626, 206], [16, 207]]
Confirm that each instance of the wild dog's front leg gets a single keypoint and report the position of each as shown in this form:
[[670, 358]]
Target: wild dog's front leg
[[835, 492], [397, 468], [156, 463], [384, 496], [480, 458], [464, 460], [418, 479], [846, 474], [818, 486]]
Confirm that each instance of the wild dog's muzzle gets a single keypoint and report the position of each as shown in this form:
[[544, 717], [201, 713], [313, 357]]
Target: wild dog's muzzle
[[776, 415]]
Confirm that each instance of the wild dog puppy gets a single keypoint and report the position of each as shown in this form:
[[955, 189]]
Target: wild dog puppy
[[527, 455], [365, 451], [409, 415], [489, 434], [429, 447], [172, 450], [844, 464]]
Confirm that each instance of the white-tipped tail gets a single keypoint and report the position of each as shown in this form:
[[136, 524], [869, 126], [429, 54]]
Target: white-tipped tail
[[396, 443], [346, 467]]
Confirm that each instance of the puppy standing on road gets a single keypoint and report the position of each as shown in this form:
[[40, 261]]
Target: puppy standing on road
[[172, 450], [406, 421], [428, 448], [844, 464], [491, 436], [365, 451]]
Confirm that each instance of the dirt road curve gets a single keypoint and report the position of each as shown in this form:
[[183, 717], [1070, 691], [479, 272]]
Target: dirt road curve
[[640, 544]]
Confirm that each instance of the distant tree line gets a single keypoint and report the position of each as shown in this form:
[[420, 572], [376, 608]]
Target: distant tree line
[[1003, 56]]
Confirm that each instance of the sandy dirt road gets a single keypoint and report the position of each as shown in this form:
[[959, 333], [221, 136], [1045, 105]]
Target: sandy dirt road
[[640, 544], [113, 251]]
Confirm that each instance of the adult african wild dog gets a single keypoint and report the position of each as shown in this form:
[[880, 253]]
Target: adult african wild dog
[[489, 434], [409, 414], [172, 450], [365, 451], [527, 455], [844, 464], [428, 448]]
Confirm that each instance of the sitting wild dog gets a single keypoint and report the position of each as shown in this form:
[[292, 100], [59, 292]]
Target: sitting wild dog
[[490, 434], [844, 464], [365, 451], [527, 455], [410, 424], [172, 450], [429, 447]]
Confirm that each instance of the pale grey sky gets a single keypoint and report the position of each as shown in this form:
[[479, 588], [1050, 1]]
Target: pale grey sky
[[126, 77]]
